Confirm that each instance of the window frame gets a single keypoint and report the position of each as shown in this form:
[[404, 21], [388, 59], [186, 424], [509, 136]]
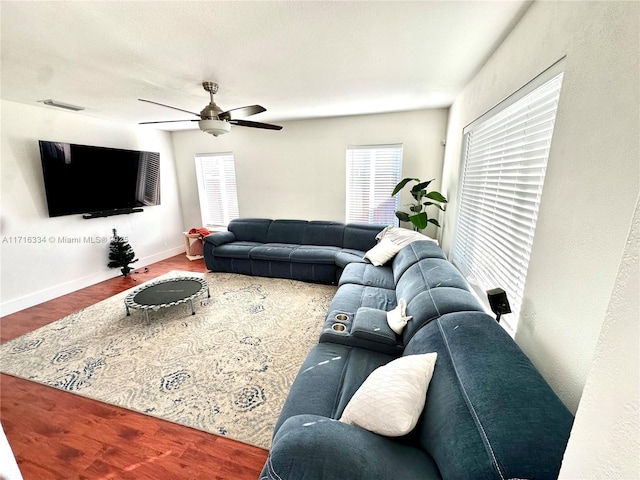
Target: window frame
[[356, 214], [228, 202], [509, 321]]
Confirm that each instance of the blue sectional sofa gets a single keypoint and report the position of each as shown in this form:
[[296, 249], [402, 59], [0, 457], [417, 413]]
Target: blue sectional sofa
[[488, 413], [313, 251]]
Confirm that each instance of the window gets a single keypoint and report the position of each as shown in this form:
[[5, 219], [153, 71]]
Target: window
[[505, 155], [216, 178], [372, 173]]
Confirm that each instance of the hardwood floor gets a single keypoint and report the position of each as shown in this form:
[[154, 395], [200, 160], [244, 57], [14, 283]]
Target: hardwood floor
[[60, 435]]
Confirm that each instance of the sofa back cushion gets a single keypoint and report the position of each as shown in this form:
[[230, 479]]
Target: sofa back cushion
[[360, 236], [489, 414], [426, 274], [323, 233], [413, 253], [433, 303], [250, 229], [287, 231]]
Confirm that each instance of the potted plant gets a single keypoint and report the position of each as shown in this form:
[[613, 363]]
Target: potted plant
[[418, 215]]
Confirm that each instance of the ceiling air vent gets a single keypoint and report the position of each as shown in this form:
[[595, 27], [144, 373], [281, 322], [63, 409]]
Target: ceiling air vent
[[67, 106]]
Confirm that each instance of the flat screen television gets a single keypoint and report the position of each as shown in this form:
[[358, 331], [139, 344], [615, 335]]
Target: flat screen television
[[83, 179]]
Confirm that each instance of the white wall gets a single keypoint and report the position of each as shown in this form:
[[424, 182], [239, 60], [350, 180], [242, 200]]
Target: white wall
[[33, 273], [605, 442], [592, 178], [299, 172]]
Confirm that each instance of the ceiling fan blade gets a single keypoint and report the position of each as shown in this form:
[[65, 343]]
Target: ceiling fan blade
[[169, 106], [247, 123], [167, 121], [241, 112]]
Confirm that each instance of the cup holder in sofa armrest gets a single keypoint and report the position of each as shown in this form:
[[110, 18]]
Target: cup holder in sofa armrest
[[337, 328], [371, 324], [371, 333]]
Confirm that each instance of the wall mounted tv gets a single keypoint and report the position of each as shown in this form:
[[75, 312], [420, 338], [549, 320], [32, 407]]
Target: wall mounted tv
[[98, 181]]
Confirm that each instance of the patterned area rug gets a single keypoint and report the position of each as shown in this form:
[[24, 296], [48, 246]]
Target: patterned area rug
[[225, 370]]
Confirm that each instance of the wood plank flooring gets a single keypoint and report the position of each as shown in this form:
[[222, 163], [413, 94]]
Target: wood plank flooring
[[60, 435]]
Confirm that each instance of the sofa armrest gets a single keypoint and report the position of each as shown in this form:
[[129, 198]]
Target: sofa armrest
[[346, 256], [371, 324], [220, 238], [314, 447]]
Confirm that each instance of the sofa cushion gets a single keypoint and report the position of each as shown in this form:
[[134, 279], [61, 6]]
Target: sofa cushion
[[391, 399], [428, 273], [367, 274], [315, 254], [323, 233], [489, 414], [350, 297], [412, 254], [435, 302], [328, 378], [280, 252], [360, 236], [250, 229], [236, 249], [286, 231]]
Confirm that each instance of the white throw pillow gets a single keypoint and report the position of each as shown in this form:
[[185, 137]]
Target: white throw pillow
[[391, 399], [402, 236], [397, 318], [384, 251]]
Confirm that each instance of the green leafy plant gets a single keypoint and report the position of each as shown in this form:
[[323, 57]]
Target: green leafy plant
[[423, 199]]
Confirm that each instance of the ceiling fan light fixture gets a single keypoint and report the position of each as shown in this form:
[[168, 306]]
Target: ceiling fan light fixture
[[214, 127]]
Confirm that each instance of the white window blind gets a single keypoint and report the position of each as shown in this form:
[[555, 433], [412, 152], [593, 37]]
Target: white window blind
[[372, 173], [505, 155], [216, 178]]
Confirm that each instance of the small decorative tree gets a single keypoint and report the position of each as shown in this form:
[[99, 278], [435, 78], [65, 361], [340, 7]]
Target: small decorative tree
[[418, 216], [120, 254]]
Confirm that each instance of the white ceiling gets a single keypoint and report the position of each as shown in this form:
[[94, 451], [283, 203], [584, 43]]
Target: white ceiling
[[300, 60]]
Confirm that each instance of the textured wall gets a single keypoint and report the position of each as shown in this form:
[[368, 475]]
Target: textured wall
[[605, 442], [299, 172], [592, 177], [35, 272]]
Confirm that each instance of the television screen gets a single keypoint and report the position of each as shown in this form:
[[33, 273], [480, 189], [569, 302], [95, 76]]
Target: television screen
[[86, 179]]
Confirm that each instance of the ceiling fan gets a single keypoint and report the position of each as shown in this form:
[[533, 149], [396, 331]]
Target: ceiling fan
[[216, 122]]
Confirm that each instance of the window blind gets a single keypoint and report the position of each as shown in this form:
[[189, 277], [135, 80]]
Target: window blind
[[217, 190], [505, 157], [372, 173]]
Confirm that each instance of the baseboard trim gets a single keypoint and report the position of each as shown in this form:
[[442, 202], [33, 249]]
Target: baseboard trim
[[55, 291]]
